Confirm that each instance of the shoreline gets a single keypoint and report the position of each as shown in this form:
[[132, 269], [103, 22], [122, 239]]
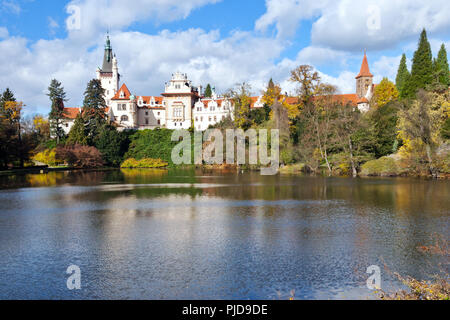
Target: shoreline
[[294, 170]]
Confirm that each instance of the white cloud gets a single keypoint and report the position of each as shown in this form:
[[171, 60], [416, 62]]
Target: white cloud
[[385, 67], [4, 33], [11, 6], [355, 24], [96, 16]]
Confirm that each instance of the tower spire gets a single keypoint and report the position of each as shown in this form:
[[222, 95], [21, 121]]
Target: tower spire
[[107, 58], [364, 71]]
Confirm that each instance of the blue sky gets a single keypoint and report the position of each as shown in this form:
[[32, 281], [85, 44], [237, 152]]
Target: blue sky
[[218, 42]]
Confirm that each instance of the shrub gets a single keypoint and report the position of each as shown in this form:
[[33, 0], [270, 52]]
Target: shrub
[[155, 144], [385, 166], [80, 156], [144, 163], [48, 157]]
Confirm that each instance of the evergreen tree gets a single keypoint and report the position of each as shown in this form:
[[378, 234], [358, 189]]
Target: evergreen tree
[[383, 123], [112, 144], [94, 107], [422, 67], [77, 134], [402, 75], [6, 96], [57, 97], [208, 91], [442, 67], [271, 85]]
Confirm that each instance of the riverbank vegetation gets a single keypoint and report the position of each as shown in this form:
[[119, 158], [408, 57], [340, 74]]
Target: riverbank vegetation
[[405, 132], [438, 288]]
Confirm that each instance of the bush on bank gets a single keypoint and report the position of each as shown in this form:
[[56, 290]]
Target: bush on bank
[[48, 157], [144, 163], [385, 166]]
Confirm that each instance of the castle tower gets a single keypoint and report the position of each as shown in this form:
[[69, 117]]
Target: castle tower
[[179, 97], [109, 73], [364, 79]]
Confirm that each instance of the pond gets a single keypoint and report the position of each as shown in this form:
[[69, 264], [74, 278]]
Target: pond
[[196, 234]]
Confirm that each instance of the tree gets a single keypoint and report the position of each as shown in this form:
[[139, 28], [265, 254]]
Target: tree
[[402, 76], [383, 125], [442, 67], [94, 107], [385, 92], [80, 156], [6, 96], [422, 67], [112, 144], [208, 91], [308, 81], [13, 112], [420, 125], [41, 128], [57, 98], [240, 95], [77, 134]]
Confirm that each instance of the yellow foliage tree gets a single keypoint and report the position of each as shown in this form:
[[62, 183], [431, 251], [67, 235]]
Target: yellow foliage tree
[[385, 92]]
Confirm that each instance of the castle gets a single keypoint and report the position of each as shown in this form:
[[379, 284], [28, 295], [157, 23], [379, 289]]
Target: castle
[[182, 105]]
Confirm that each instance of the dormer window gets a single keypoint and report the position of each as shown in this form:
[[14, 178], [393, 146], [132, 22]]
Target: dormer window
[[122, 94]]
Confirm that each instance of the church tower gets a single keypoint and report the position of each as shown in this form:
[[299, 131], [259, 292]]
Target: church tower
[[109, 73], [364, 80]]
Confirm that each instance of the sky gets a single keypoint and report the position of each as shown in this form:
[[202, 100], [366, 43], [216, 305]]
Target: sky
[[221, 42]]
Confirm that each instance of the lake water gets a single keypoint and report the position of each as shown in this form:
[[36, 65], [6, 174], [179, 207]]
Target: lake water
[[154, 234]]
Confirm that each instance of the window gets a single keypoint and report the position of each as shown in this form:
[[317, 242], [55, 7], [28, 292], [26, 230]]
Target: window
[[177, 112], [201, 118], [146, 120], [146, 113], [196, 119], [209, 119], [215, 118], [159, 113], [159, 122], [124, 118]]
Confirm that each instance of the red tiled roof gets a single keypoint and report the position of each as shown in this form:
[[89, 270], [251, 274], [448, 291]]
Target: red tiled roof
[[365, 71], [71, 113], [147, 99], [363, 100], [126, 92]]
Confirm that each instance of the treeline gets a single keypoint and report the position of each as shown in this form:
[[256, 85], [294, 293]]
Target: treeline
[[406, 130], [19, 136]]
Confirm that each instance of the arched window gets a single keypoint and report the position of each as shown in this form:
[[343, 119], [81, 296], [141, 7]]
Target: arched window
[[124, 118]]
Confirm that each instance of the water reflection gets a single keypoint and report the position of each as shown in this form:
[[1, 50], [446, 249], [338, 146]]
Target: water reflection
[[162, 234]]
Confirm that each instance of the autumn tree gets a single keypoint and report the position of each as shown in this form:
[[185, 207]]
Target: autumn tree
[[240, 95], [419, 126], [384, 92], [308, 82]]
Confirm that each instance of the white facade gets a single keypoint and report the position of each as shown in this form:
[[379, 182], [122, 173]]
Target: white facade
[[181, 105]]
